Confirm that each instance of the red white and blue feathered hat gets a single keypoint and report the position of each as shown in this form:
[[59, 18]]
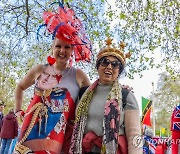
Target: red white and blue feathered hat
[[64, 25]]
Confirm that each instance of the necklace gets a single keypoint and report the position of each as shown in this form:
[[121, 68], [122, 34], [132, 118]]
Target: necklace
[[58, 76]]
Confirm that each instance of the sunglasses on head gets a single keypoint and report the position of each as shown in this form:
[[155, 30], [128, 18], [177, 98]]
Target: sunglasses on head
[[114, 64]]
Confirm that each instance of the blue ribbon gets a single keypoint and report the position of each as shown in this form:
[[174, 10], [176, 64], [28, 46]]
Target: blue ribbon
[[60, 4], [57, 27], [37, 34]]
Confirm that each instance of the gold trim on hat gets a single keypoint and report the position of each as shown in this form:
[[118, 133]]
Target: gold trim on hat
[[108, 50]]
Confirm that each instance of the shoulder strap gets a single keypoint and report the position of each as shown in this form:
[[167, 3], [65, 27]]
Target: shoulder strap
[[125, 92], [81, 91]]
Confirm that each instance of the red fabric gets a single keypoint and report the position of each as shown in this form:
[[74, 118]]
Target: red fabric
[[53, 135], [67, 137], [67, 27], [147, 119], [28, 118], [159, 149], [175, 138], [122, 145], [91, 139], [175, 133], [175, 118]]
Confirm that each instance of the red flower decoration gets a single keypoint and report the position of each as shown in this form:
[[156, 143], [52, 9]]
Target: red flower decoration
[[51, 60], [64, 25]]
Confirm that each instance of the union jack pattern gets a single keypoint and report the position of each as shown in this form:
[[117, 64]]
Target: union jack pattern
[[177, 112], [152, 148], [145, 150], [176, 125]]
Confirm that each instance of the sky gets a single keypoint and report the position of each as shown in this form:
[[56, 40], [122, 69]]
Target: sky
[[142, 86]]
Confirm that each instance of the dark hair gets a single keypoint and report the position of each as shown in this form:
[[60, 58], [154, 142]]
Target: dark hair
[[11, 111], [121, 67]]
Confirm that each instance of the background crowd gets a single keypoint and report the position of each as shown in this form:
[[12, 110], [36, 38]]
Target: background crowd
[[8, 130]]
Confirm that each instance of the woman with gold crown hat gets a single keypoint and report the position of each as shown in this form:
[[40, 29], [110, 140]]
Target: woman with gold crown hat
[[107, 116], [57, 85]]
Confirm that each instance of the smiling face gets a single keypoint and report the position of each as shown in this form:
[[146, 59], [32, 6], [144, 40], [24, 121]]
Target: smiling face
[[108, 73], [61, 51]]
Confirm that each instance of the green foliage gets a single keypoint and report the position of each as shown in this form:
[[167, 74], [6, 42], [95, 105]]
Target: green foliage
[[147, 27], [122, 16], [165, 99]]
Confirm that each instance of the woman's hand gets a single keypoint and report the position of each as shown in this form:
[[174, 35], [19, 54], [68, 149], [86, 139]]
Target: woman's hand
[[127, 87]]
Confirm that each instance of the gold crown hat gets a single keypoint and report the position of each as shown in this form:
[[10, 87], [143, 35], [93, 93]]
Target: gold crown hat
[[108, 50]]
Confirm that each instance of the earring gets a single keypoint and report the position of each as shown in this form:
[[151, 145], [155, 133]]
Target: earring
[[71, 60], [51, 60]]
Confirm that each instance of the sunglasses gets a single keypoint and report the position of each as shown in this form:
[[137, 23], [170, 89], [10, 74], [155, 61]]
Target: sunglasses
[[114, 64]]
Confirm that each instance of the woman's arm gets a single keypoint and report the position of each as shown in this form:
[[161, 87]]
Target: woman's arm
[[132, 123], [26, 82], [82, 78]]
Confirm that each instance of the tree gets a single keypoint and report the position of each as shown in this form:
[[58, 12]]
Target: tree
[[167, 97], [148, 27]]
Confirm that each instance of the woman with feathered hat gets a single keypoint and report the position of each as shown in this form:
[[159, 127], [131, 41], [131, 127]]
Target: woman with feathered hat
[[57, 85]]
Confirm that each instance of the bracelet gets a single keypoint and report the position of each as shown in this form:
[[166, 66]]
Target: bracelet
[[18, 111], [21, 113]]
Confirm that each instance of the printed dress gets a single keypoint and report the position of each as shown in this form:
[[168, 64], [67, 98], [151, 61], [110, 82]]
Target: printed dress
[[46, 118]]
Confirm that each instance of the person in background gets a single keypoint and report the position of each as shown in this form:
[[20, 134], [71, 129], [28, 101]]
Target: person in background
[[9, 131], [56, 85], [1, 113], [107, 116], [149, 143], [13, 143]]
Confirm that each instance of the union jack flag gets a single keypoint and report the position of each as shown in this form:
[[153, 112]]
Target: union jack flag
[[177, 112], [145, 150], [152, 148], [176, 125]]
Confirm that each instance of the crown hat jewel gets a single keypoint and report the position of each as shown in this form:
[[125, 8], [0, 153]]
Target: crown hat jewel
[[108, 50]]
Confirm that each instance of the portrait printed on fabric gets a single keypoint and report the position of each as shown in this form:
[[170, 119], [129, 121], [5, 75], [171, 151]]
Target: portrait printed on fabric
[[47, 80]]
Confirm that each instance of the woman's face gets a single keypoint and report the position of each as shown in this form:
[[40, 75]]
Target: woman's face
[[61, 51], [108, 70], [47, 80]]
